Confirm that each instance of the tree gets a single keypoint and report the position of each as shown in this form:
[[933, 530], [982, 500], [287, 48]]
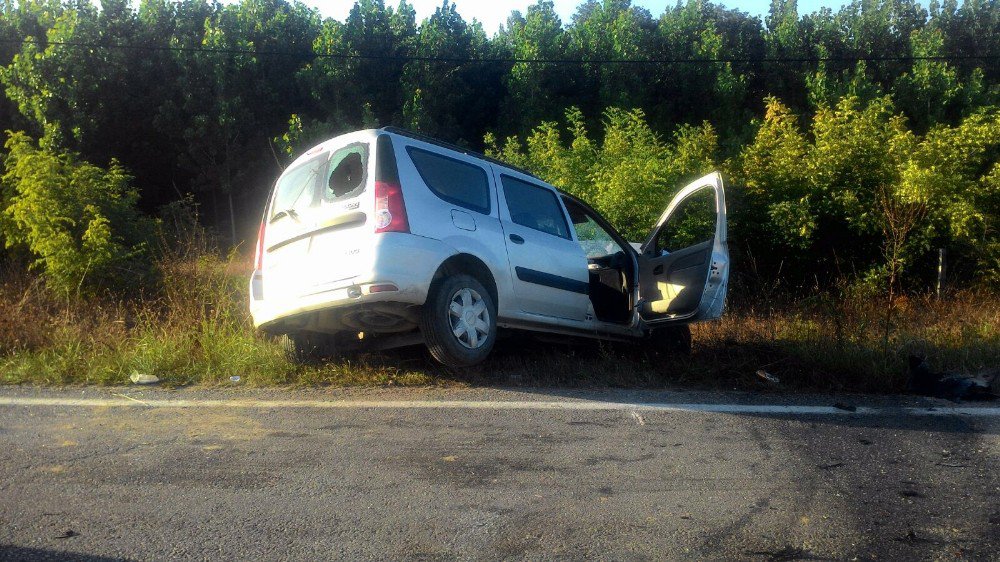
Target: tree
[[447, 93], [536, 92]]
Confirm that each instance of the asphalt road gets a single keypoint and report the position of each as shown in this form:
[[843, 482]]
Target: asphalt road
[[581, 476]]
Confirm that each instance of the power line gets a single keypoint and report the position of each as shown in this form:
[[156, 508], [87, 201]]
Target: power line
[[499, 60]]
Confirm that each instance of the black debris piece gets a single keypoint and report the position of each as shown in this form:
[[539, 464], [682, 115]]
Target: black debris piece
[[70, 533], [926, 382]]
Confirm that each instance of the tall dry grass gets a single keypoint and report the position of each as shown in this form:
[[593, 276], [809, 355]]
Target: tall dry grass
[[195, 329]]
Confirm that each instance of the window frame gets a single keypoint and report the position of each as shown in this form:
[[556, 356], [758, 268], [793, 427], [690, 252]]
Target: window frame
[[410, 149], [555, 195]]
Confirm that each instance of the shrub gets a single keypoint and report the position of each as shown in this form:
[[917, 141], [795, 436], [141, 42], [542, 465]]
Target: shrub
[[78, 221]]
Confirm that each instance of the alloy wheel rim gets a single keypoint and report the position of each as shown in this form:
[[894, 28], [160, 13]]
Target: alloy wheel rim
[[469, 318]]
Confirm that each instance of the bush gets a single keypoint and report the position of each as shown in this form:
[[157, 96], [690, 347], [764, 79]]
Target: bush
[[629, 177], [78, 221]]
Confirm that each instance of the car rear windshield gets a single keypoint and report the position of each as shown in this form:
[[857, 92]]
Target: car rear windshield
[[330, 177]]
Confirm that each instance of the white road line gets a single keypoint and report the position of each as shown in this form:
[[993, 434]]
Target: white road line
[[583, 404]]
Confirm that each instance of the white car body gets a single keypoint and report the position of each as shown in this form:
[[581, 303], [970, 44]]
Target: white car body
[[345, 258]]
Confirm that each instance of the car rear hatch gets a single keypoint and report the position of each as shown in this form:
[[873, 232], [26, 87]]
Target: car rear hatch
[[316, 229]]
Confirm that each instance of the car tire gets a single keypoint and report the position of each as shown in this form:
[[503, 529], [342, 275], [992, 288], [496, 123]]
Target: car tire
[[458, 321], [675, 340]]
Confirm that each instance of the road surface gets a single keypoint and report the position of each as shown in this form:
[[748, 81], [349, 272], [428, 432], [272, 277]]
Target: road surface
[[488, 474]]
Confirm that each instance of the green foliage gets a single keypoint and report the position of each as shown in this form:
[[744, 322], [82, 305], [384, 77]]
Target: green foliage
[[214, 98], [78, 221], [824, 195], [629, 176]]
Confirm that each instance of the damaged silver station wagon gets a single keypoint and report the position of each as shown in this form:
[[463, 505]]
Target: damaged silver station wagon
[[383, 238]]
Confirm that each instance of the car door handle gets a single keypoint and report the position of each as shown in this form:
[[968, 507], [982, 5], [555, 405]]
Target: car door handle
[[516, 239]]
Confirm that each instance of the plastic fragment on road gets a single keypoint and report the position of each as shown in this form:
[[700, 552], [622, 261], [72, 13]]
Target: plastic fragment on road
[[139, 378], [768, 377]]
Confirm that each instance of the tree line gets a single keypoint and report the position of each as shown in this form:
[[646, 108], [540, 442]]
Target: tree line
[[853, 141]]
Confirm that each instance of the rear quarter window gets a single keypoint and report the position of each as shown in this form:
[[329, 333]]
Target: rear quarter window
[[454, 181]]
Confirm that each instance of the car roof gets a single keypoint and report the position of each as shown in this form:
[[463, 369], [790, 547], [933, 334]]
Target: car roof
[[468, 152]]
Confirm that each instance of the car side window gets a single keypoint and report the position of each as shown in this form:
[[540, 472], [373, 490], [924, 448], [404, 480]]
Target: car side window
[[457, 182], [348, 172], [534, 207], [595, 241]]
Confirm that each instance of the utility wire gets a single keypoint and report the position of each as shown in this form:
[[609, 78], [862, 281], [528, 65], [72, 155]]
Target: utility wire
[[497, 60]]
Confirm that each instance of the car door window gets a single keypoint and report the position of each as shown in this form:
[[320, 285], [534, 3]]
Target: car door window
[[534, 207], [457, 182], [691, 223], [592, 237]]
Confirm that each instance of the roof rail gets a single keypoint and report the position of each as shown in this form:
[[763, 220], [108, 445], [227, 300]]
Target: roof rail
[[431, 140]]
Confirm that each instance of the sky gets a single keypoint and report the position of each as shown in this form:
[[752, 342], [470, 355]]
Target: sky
[[493, 13]]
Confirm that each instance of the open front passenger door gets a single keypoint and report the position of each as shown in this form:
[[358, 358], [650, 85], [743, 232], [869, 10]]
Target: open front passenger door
[[684, 264]]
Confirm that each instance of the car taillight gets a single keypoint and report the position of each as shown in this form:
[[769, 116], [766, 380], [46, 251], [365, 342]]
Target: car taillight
[[258, 260], [390, 211]]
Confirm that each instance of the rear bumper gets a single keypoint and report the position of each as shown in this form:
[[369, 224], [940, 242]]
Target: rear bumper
[[404, 260]]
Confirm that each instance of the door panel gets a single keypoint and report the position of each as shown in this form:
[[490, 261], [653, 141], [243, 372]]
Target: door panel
[[678, 285], [678, 281], [548, 267]]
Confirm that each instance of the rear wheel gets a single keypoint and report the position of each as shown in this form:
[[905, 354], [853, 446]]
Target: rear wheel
[[458, 321], [675, 340], [308, 347]]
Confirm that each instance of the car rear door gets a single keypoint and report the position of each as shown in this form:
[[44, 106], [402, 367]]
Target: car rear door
[[316, 229], [548, 267], [684, 264]]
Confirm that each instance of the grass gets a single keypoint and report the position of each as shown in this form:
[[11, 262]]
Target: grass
[[195, 330]]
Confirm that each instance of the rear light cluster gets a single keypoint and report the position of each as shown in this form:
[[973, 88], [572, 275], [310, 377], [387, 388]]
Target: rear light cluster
[[390, 210]]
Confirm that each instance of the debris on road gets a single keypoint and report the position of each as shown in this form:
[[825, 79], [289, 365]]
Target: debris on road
[[845, 407], [70, 533], [912, 538], [234, 378], [139, 378], [950, 386], [768, 377], [638, 419], [829, 466]]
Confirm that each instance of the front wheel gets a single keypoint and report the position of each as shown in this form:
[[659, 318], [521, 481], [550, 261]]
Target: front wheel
[[458, 321]]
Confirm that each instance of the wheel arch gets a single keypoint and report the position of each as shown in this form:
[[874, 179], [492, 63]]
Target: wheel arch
[[469, 265]]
